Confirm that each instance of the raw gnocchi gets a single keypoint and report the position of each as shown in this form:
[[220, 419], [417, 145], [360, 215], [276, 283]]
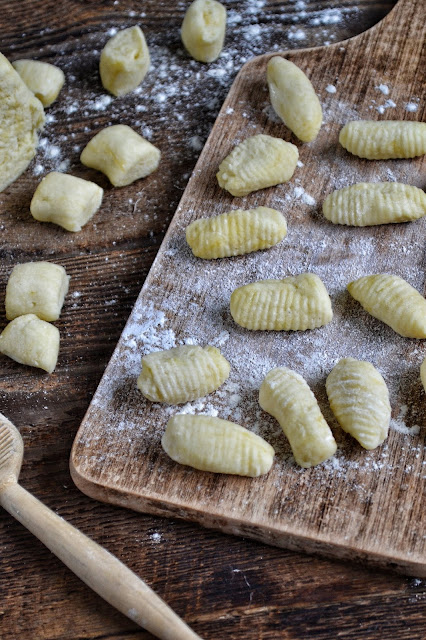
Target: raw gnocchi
[[124, 61], [256, 163], [182, 374], [295, 303], [287, 397], [121, 154], [66, 200], [293, 98], [31, 341], [43, 79], [36, 287], [384, 140], [203, 29], [212, 444], [369, 203], [359, 399], [393, 301], [236, 233]]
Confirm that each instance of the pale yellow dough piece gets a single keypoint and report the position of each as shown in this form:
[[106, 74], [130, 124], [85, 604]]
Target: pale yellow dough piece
[[121, 154], [423, 373], [295, 303], [203, 29], [21, 116], [66, 200], [287, 397], [369, 203], [124, 61], [43, 79], [212, 444], [31, 341], [384, 140], [236, 233], [256, 163], [359, 399], [182, 374], [36, 287], [393, 301], [293, 98]]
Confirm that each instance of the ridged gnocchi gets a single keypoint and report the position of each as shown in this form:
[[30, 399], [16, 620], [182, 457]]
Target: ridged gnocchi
[[124, 61], [359, 399], [236, 232], [295, 303], [256, 163], [384, 140], [212, 444], [392, 300], [43, 79], [182, 374], [203, 29], [31, 341], [293, 98], [369, 203], [287, 397]]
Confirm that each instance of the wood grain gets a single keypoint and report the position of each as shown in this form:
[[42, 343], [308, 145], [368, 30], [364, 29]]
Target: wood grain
[[365, 507]]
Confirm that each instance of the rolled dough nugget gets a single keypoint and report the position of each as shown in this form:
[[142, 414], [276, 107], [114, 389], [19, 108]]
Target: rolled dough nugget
[[43, 79], [203, 29], [124, 61], [21, 116], [31, 341], [121, 154]]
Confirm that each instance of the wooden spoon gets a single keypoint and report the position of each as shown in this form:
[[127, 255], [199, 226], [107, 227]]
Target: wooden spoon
[[98, 568]]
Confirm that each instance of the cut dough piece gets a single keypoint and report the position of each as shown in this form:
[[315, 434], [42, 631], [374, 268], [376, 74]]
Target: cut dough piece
[[124, 61], [65, 200], [203, 29], [31, 341], [43, 79], [36, 287], [21, 115], [212, 444], [121, 154]]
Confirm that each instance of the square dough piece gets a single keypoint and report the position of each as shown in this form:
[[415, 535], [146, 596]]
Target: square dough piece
[[36, 287], [31, 341], [66, 200]]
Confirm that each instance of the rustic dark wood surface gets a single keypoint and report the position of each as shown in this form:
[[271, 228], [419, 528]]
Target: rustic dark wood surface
[[222, 586]]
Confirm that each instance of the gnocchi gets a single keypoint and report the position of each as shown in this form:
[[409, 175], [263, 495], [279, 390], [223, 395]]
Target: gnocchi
[[31, 341], [43, 79], [384, 140], [295, 303], [392, 300], [203, 29], [124, 61], [66, 200], [182, 374], [256, 163], [212, 444], [236, 233], [287, 397], [21, 117], [293, 98], [121, 154], [36, 287], [359, 399], [369, 203]]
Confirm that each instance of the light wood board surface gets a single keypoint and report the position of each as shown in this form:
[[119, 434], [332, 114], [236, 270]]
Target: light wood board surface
[[361, 505]]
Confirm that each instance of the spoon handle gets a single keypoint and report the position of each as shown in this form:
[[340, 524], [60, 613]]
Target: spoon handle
[[98, 568]]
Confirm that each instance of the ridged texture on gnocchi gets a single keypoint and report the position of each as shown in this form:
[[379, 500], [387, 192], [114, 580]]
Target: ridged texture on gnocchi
[[236, 232], [295, 303], [369, 203], [124, 61], [182, 374], [256, 163], [287, 397], [212, 444], [384, 140], [359, 399], [393, 301], [293, 98], [203, 29], [423, 373]]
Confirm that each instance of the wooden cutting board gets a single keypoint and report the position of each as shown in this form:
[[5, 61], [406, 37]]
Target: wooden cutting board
[[360, 505]]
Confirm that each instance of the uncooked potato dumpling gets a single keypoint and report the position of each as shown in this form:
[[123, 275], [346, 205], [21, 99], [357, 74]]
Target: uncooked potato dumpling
[[43, 79], [31, 341], [124, 61]]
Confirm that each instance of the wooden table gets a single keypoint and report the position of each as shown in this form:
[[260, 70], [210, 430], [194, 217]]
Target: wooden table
[[223, 586]]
